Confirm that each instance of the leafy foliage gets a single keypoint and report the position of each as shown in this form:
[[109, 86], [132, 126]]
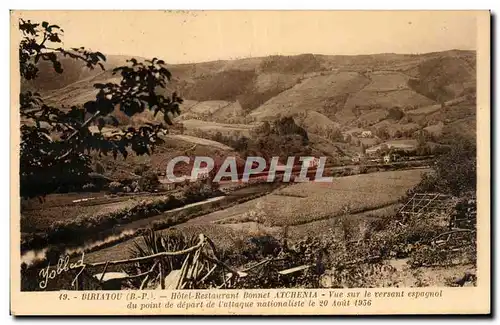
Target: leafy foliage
[[455, 170], [32, 50], [202, 188], [395, 113], [281, 138], [308, 252], [149, 181], [56, 141]]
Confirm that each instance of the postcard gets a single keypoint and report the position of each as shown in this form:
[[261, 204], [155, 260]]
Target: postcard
[[250, 162]]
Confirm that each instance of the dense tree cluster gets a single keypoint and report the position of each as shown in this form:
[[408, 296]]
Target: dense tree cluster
[[282, 138]]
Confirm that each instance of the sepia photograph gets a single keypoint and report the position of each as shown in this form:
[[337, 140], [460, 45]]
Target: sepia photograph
[[222, 150]]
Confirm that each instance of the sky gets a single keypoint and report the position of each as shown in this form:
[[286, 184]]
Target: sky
[[198, 36]]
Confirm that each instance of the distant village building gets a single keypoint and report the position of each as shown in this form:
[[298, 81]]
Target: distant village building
[[311, 161], [203, 173], [366, 134], [372, 151], [391, 158]]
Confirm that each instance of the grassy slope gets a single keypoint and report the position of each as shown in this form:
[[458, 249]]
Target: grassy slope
[[319, 93], [175, 145]]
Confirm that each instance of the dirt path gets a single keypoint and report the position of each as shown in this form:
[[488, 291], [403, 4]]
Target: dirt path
[[200, 141]]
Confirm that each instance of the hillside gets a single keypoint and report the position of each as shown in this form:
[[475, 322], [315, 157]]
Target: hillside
[[174, 145], [391, 95]]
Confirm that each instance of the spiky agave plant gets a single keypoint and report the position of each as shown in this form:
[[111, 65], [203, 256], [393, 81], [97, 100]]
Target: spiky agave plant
[[154, 242]]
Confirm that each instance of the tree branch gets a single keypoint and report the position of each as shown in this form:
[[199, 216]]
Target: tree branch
[[151, 257]]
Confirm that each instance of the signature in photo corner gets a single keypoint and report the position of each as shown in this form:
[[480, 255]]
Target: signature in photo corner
[[63, 265]]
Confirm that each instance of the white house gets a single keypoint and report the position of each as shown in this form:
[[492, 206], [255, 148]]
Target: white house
[[202, 173], [310, 162], [366, 134], [306, 161]]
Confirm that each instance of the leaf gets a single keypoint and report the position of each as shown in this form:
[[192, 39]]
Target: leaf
[[165, 72], [54, 38], [124, 152], [47, 136], [114, 121], [171, 280], [57, 66], [45, 24], [131, 108], [101, 56], [167, 119], [90, 107], [105, 106], [294, 269], [100, 123]]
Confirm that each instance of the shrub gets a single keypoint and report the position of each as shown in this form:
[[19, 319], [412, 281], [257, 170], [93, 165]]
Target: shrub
[[115, 187], [395, 113], [149, 181], [141, 169], [309, 251], [428, 183], [90, 187], [362, 169], [99, 168], [455, 170]]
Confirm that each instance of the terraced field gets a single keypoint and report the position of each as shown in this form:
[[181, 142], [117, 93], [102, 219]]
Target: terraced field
[[62, 208], [307, 202]]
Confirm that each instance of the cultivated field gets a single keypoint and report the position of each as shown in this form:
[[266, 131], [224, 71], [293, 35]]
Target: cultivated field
[[387, 81], [425, 110], [308, 209], [45, 218], [199, 141], [306, 202], [401, 144], [213, 127], [400, 98], [333, 226]]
